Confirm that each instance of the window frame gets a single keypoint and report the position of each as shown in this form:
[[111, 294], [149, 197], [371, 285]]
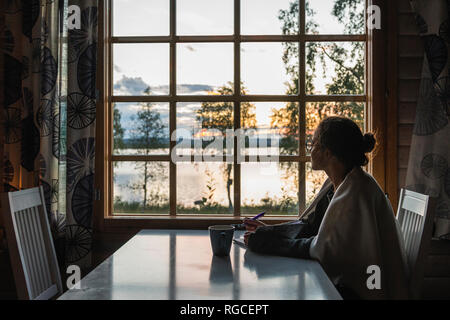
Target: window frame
[[375, 114]]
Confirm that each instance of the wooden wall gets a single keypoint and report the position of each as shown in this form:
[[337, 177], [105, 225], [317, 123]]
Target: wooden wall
[[2, 22], [410, 58]]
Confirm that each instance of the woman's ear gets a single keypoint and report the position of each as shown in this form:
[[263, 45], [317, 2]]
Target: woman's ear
[[328, 154]]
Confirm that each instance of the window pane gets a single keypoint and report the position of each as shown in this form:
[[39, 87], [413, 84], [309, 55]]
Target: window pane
[[202, 128], [141, 128], [335, 17], [317, 111], [205, 17], [264, 17], [204, 67], [205, 187], [275, 127], [314, 181], [141, 69], [140, 18], [269, 186], [141, 187], [263, 70], [335, 68]]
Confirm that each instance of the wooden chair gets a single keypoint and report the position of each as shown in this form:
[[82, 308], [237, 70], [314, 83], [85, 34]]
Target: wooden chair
[[415, 215], [30, 243]]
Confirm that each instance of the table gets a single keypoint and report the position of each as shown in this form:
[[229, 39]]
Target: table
[[179, 264]]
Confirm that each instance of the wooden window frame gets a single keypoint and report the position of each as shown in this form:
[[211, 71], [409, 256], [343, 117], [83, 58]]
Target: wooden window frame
[[374, 98], [2, 131]]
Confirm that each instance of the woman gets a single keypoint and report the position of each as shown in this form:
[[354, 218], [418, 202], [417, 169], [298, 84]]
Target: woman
[[350, 226]]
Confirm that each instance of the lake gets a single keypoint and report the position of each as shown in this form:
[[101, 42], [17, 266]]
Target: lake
[[202, 186]]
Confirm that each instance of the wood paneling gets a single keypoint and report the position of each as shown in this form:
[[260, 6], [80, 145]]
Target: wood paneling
[[407, 24], [408, 90], [410, 46], [404, 6], [2, 22], [406, 112], [409, 68], [405, 134], [391, 115], [403, 155], [410, 61], [401, 177]]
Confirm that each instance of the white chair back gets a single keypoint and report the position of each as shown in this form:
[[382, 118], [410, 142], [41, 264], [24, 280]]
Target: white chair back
[[30, 243], [415, 217]]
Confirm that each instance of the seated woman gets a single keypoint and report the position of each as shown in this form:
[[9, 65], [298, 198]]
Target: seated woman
[[349, 226]]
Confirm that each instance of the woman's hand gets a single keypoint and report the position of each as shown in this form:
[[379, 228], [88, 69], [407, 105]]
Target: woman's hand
[[246, 236], [252, 225]]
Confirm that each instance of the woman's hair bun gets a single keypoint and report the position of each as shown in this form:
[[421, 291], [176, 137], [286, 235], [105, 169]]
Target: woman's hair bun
[[369, 142]]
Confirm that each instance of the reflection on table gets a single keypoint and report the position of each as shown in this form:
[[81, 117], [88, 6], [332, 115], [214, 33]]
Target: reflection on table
[[179, 264]]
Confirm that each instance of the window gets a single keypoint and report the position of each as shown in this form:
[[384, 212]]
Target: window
[[181, 75]]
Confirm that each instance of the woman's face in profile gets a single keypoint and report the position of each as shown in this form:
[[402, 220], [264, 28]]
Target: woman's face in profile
[[318, 160]]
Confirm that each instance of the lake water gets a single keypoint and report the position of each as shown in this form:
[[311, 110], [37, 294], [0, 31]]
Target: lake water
[[262, 184]]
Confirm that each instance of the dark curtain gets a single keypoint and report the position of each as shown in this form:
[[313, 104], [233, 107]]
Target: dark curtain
[[429, 159], [48, 114]]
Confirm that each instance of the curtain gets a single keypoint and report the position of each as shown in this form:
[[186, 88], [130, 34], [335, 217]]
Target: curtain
[[429, 159], [48, 114], [81, 111]]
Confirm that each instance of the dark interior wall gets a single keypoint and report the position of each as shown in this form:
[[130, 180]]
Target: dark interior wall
[[6, 280], [410, 59]]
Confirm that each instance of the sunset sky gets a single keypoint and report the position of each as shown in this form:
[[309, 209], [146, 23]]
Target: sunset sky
[[203, 66]]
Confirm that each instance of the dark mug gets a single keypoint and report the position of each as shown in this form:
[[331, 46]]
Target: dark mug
[[221, 238]]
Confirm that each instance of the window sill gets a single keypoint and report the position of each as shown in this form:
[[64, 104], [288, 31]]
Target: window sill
[[132, 222]]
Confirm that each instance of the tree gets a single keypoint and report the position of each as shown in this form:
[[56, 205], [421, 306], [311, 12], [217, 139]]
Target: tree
[[348, 79], [219, 116], [147, 134], [118, 130]]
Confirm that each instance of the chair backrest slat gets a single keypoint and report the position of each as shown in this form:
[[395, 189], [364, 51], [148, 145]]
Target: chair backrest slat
[[415, 217], [31, 257], [25, 251], [37, 272], [406, 228], [31, 245], [43, 257]]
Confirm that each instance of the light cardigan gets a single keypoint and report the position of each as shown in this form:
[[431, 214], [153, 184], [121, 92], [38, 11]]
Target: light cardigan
[[359, 230]]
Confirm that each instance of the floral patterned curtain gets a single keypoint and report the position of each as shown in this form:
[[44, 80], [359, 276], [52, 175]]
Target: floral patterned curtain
[[81, 111], [429, 159], [48, 114]]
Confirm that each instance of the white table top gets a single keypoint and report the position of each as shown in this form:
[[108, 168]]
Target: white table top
[[179, 264]]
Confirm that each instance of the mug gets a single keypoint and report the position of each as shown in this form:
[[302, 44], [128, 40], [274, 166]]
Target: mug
[[221, 238]]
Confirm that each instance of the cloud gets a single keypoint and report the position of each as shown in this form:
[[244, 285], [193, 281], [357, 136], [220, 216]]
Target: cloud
[[130, 86], [186, 111], [135, 86], [117, 68], [199, 89]]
